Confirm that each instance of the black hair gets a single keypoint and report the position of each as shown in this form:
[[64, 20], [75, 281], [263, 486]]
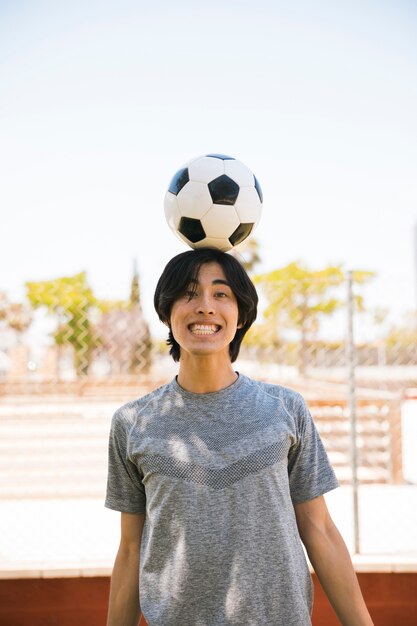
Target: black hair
[[182, 271]]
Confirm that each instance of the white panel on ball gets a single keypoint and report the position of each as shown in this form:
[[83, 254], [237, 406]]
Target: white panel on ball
[[239, 172], [248, 205], [205, 169], [220, 222], [194, 200], [172, 212]]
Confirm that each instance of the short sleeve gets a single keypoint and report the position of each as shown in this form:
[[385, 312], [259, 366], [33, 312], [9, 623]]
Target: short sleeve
[[125, 490], [309, 469]]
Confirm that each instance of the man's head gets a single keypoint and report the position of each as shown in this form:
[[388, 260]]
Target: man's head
[[180, 277]]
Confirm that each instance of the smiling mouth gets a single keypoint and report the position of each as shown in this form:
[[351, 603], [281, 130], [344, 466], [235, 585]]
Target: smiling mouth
[[204, 329]]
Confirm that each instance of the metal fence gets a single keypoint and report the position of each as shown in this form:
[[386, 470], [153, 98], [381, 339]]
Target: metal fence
[[68, 359]]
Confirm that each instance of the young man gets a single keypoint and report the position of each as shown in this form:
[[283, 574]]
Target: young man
[[218, 476]]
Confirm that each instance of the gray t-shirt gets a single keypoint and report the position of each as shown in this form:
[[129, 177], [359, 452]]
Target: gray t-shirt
[[217, 475]]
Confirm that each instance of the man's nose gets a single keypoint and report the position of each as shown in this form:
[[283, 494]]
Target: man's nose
[[205, 304]]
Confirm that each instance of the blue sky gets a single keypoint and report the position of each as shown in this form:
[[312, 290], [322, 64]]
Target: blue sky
[[101, 102]]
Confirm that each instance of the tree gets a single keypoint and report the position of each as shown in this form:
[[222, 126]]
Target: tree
[[401, 340], [89, 325], [141, 346], [298, 298], [134, 299], [15, 315], [70, 298]]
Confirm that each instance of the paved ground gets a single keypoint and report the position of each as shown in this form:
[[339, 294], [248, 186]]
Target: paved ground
[[54, 448], [80, 536]]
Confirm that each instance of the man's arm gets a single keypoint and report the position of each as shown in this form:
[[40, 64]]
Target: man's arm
[[331, 561], [124, 607]]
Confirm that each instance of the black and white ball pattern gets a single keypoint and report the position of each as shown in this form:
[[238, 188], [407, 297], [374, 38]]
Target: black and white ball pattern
[[213, 201]]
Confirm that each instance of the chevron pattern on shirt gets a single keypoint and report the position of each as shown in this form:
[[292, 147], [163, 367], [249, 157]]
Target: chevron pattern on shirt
[[216, 478]]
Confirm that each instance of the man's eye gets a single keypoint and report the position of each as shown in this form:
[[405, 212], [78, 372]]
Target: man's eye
[[190, 294], [221, 294]]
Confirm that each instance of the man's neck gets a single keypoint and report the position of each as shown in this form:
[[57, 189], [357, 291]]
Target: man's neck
[[205, 376]]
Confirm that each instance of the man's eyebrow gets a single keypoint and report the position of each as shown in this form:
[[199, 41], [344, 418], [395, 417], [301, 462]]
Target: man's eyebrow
[[216, 281]]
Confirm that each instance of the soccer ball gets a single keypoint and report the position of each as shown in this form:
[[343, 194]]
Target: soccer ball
[[213, 201]]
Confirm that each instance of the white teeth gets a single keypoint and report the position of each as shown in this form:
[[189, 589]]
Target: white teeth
[[204, 329]]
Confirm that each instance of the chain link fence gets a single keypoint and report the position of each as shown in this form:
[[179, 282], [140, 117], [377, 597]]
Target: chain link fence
[[69, 359]]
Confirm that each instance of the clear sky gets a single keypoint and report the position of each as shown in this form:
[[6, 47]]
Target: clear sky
[[101, 102]]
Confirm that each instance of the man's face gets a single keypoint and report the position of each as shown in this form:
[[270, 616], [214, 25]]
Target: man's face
[[205, 318]]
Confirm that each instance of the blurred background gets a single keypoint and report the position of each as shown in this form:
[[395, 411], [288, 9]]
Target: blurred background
[[100, 104]]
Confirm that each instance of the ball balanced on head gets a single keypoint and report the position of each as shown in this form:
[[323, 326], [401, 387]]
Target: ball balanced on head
[[213, 201]]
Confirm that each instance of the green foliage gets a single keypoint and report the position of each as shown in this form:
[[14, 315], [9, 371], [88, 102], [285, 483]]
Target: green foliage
[[299, 297], [403, 335], [262, 335], [68, 292], [71, 299], [134, 288], [81, 315], [105, 306]]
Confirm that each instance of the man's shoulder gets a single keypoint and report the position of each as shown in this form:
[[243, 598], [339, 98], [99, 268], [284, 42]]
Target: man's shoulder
[[291, 398], [275, 389], [129, 412]]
